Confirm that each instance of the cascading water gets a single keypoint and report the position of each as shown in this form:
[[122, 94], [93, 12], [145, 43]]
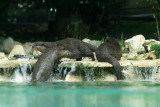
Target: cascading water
[[140, 73], [23, 73]]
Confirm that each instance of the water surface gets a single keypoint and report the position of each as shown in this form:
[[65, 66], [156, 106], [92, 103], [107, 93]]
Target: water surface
[[80, 94]]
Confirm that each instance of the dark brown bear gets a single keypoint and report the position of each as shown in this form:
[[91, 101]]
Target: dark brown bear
[[110, 52]]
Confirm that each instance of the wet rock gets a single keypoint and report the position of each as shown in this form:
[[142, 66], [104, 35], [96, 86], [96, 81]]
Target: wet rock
[[135, 45], [74, 78], [129, 73], [92, 42], [8, 45], [3, 78], [108, 77], [18, 49]]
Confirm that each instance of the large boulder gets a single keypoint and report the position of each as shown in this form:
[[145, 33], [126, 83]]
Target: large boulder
[[8, 45], [135, 45], [18, 49]]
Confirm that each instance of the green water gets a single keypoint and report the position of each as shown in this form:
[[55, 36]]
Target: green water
[[80, 94]]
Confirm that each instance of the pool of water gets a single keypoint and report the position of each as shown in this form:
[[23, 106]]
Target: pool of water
[[80, 94]]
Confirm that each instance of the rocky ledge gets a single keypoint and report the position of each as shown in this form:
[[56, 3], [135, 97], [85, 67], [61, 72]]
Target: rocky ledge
[[139, 63]]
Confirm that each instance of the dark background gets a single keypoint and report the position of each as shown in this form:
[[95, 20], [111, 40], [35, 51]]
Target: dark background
[[50, 20]]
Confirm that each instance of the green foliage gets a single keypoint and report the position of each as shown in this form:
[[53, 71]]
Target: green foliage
[[121, 42], [104, 38], [156, 49]]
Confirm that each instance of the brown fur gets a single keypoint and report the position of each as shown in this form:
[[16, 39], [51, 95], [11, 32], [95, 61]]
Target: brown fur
[[53, 51], [77, 48], [46, 61], [110, 52]]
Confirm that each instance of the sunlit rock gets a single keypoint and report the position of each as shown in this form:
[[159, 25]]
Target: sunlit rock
[[132, 56], [18, 49], [135, 45], [86, 59], [150, 55], [36, 53], [15, 63], [67, 59], [124, 56], [2, 55], [8, 45], [93, 42]]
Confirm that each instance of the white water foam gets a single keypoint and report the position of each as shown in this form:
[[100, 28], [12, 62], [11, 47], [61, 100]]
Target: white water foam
[[21, 74]]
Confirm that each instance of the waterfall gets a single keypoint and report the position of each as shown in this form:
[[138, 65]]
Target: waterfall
[[81, 73], [140, 73], [22, 74]]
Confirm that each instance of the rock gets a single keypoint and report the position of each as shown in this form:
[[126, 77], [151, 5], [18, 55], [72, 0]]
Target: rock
[[28, 48], [36, 53], [147, 44], [86, 59], [135, 44], [132, 56], [124, 56], [141, 56], [18, 49], [150, 55], [67, 59], [3, 78], [92, 42], [8, 45], [129, 73], [2, 55], [73, 78], [108, 77]]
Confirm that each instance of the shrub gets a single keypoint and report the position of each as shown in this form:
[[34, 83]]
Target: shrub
[[156, 49]]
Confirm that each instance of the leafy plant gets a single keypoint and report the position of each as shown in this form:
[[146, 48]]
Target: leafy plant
[[104, 39], [121, 42], [156, 49]]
